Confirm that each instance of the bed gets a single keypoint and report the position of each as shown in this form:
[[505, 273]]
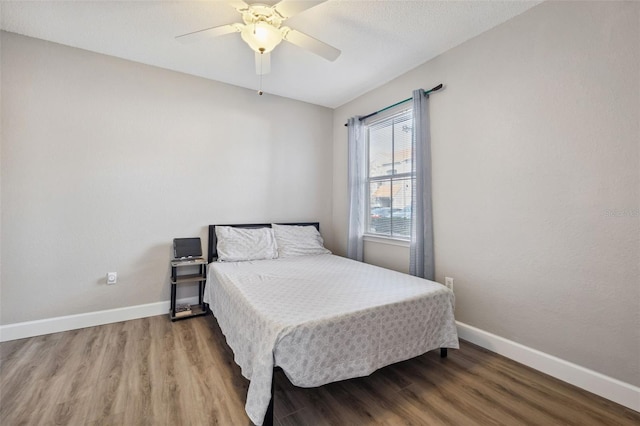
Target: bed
[[319, 317]]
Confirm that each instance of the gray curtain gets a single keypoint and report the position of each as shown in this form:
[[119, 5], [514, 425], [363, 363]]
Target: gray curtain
[[421, 261], [357, 181]]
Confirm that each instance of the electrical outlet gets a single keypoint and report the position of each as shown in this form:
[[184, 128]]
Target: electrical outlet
[[112, 277], [448, 282]]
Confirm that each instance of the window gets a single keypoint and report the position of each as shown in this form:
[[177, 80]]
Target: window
[[390, 179]]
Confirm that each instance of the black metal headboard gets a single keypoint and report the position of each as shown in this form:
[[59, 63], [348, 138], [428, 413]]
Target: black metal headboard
[[212, 252]]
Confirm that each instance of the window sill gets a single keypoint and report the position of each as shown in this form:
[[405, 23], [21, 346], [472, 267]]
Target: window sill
[[392, 241]]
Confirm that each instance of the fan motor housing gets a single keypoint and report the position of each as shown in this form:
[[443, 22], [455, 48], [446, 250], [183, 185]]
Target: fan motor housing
[[262, 13]]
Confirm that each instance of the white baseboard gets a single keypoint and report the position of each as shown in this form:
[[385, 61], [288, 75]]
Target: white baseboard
[[22, 330], [607, 387]]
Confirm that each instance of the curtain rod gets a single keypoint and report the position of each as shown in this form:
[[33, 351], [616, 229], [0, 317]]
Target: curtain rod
[[426, 92]]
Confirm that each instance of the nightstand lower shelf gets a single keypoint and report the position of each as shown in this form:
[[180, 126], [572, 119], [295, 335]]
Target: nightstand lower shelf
[[196, 311]]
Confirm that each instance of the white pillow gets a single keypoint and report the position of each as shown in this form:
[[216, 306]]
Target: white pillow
[[294, 240], [240, 244]]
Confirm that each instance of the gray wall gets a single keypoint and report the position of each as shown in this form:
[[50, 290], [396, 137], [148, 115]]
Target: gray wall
[[105, 161], [535, 143]]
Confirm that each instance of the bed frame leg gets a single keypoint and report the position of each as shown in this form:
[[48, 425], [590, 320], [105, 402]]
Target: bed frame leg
[[268, 416], [443, 352]]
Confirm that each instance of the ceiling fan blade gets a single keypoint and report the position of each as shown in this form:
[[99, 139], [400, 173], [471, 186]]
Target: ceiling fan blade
[[244, 4], [289, 8], [311, 44], [263, 63], [238, 4], [208, 33]]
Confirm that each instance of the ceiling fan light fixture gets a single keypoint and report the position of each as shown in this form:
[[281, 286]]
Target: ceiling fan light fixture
[[261, 36], [262, 30]]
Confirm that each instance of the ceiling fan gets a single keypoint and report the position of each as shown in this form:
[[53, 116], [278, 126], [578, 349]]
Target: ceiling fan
[[262, 30]]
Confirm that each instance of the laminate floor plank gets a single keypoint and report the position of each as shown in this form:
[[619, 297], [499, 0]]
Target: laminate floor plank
[[35, 364], [154, 372], [83, 352], [385, 408], [107, 402], [550, 395], [9, 349], [483, 399], [479, 392], [137, 382]]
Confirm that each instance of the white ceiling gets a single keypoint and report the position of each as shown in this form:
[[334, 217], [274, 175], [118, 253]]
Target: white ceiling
[[380, 40]]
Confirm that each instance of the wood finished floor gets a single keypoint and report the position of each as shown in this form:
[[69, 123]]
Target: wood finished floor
[[154, 372]]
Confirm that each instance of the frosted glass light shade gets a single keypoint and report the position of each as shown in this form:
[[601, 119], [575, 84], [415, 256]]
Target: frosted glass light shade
[[261, 36]]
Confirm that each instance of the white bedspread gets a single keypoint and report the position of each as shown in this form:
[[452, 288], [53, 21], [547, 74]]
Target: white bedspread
[[323, 318]]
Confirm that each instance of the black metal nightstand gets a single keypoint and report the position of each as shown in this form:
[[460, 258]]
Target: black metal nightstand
[[183, 272]]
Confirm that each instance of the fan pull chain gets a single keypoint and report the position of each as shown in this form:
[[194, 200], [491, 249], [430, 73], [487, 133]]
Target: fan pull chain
[[261, 53]]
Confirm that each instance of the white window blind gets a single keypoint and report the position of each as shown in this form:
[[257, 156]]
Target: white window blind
[[390, 180]]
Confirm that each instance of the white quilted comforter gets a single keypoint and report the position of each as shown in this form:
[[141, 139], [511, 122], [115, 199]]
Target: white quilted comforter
[[322, 319]]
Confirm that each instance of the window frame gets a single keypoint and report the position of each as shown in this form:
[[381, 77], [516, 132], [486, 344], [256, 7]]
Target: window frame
[[394, 114]]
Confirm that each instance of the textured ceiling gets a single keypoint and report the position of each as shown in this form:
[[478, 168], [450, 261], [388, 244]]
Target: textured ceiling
[[380, 40]]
